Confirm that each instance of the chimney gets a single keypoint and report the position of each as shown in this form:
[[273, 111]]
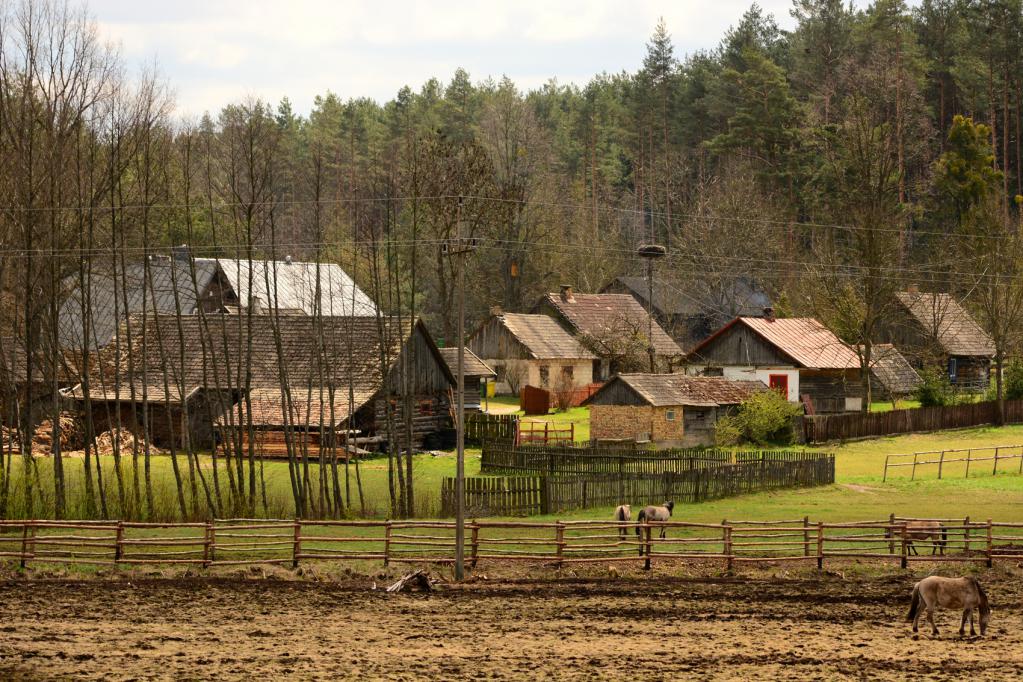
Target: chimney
[[287, 259], [913, 289], [566, 293], [769, 314], [496, 310], [256, 304]]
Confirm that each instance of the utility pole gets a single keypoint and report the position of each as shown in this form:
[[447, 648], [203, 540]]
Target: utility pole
[[459, 248], [651, 252]]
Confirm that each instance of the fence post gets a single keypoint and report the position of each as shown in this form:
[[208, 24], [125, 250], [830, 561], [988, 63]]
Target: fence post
[[296, 545], [969, 456], [646, 541], [726, 532], [885, 476], [989, 561], [820, 545], [24, 543], [806, 536], [941, 464], [545, 495], [387, 542], [475, 543], [966, 535], [994, 471], [890, 533], [559, 534], [904, 561], [118, 538], [207, 544]]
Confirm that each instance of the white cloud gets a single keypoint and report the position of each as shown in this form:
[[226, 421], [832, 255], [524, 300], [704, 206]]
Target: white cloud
[[216, 51]]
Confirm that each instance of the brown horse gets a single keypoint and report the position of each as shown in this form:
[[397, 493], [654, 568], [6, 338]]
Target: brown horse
[[950, 593], [623, 514], [926, 530]]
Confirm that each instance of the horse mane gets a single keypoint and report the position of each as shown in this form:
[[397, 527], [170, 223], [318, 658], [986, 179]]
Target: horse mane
[[980, 592]]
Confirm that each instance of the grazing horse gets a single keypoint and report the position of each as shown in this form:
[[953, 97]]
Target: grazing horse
[[622, 514], [654, 513], [951, 593], [926, 530]]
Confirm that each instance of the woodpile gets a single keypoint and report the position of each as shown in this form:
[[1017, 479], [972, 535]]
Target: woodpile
[[126, 439], [72, 434]]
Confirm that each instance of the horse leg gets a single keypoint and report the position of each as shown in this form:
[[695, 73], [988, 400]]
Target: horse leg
[[973, 633], [962, 623], [911, 549], [930, 618]]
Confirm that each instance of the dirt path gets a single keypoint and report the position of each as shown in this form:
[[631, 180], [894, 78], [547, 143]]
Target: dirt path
[[705, 629]]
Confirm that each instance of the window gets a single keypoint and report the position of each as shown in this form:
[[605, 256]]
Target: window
[[780, 383], [502, 373], [568, 371], [545, 375], [953, 367], [670, 415]]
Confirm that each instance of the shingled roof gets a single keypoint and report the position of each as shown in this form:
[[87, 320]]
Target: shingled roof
[[543, 337], [807, 342], [942, 318], [600, 314], [892, 370], [474, 367], [215, 357], [666, 390]]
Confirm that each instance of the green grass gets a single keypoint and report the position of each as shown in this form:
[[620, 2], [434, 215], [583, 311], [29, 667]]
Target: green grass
[[886, 406], [577, 417]]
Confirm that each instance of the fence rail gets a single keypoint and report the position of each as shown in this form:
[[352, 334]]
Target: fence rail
[[823, 428], [528, 495], [290, 542], [941, 458]]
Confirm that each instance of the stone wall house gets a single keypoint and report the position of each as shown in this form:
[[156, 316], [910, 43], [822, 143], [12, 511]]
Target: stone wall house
[[669, 410], [531, 350]]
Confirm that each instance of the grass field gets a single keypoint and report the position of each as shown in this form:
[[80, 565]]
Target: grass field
[[859, 492]]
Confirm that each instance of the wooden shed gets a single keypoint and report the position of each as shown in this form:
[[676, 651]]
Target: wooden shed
[[477, 374], [797, 356], [531, 350], [935, 330], [891, 375], [277, 376], [665, 409]]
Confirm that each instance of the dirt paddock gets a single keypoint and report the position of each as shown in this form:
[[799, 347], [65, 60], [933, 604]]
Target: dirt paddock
[[766, 625]]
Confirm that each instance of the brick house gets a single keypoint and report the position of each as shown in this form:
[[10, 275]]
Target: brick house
[[670, 410]]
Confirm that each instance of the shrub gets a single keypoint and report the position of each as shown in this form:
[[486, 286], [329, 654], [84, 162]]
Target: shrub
[[1012, 384], [763, 418], [936, 390]]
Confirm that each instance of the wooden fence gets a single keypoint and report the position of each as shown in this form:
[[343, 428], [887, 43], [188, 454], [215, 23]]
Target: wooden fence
[[565, 460], [490, 428], [242, 542], [940, 458], [543, 433], [852, 425], [548, 494]]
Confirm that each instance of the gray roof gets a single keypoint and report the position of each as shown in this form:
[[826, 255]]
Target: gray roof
[[941, 317], [544, 338], [474, 367], [666, 390], [721, 300], [173, 290], [892, 370]]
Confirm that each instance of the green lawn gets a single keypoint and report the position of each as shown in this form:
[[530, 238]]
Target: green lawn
[[578, 417]]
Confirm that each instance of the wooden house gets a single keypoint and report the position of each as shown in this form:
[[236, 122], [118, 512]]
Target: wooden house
[[477, 374], [281, 378], [531, 350], [690, 314], [934, 330], [177, 283], [664, 409], [613, 326], [799, 357]]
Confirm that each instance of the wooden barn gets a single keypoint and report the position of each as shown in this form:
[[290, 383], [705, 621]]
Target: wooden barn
[[285, 380], [799, 357], [613, 326], [531, 350], [477, 374], [891, 375], [934, 330], [670, 410]]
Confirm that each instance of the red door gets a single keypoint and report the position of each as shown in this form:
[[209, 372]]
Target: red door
[[780, 383]]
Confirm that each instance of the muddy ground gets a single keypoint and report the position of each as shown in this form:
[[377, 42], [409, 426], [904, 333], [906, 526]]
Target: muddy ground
[[762, 625]]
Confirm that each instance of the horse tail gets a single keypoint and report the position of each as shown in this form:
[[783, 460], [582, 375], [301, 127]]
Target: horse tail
[[914, 605], [620, 514], [640, 518]]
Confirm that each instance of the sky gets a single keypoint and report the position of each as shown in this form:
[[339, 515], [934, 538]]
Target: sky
[[214, 52]]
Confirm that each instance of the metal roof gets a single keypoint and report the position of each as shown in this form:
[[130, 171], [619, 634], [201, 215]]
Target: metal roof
[[805, 340], [292, 285]]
